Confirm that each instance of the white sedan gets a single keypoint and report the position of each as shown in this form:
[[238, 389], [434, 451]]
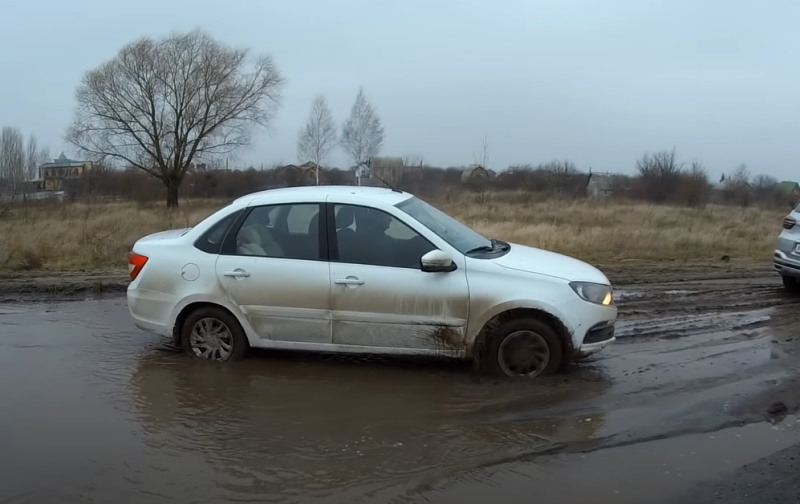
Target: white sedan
[[365, 270]]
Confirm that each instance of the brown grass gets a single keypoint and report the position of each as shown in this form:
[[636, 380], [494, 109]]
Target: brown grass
[[79, 236]]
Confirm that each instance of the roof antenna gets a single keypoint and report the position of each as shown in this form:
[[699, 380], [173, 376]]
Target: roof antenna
[[367, 163]]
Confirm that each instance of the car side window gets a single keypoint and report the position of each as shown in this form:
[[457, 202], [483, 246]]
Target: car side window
[[298, 218], [374, 237], [289, 231], [211, 241]]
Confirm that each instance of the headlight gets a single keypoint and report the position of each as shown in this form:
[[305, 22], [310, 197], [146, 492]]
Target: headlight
[[593, 292]]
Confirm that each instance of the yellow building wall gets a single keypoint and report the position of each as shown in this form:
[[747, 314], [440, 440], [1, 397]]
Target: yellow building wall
[[54, 177]]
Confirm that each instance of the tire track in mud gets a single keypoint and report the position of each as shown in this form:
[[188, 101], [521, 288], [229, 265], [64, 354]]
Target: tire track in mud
[[671, 311]]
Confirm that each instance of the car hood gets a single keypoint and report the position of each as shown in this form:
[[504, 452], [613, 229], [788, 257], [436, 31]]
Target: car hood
[[544, 262]]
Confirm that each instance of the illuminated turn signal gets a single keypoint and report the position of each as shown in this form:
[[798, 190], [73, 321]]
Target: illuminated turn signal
[[135, 264], [608, 299]]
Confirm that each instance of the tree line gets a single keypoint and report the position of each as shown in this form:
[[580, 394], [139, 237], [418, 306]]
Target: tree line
[[19, 158], [660, 178]]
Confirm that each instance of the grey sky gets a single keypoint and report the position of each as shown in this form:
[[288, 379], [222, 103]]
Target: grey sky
[[598, 82]]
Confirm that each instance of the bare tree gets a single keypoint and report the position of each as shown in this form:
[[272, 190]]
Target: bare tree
[[694, 187], [12, 158], [318, 137], [562, 177], [44, 154], [738, 186], [34, 157], [362, 133], [413, 161], [482, 157], [764, 182], [767, 190], [741, 175], [660, 174], [31, 158], [160, 104]]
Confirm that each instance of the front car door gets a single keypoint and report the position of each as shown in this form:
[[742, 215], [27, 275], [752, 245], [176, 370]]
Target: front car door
[[274, 267], [380, 298]]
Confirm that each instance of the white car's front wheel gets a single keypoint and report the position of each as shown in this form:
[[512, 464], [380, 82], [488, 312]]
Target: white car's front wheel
[[212, 333], [524, 348], [791, 284]]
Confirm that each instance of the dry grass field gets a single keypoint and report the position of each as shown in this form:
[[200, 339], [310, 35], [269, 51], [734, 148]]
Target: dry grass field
[[80, 236]]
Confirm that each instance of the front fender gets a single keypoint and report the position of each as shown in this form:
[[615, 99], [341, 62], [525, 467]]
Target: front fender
[[482, 317]]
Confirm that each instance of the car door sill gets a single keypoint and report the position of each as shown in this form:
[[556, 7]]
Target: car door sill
[[346, 349], [391, 318]]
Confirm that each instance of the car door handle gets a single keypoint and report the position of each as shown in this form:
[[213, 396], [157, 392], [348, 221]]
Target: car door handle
[[348, 281], [238, 272]]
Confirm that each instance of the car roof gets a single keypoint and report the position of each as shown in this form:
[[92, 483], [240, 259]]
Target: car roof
[[339, 194]]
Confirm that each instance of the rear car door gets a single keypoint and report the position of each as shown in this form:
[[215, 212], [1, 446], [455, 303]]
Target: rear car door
[[380, 297], [274, 267]]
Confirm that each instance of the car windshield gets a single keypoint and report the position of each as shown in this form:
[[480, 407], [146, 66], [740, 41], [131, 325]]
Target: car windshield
[[459, 236]]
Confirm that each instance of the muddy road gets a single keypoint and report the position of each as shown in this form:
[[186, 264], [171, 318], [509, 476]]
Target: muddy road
[[702, 381]]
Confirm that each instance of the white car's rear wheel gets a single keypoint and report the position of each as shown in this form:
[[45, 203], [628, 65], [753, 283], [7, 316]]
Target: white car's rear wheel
[[524, 348], [212, 333]]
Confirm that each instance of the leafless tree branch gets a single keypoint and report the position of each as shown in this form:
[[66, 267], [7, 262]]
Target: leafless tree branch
[[12, 158], [482, 158], [159, 104], [318, 137], [660, 174], [362, 132]]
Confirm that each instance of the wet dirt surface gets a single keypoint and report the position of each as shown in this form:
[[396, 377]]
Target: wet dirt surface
[[700, 386]]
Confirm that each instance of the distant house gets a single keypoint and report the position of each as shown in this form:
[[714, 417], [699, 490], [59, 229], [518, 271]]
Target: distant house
[[790, 191], [476, 174], [600, 185], [305, 174], [55, 173], [729, 190]]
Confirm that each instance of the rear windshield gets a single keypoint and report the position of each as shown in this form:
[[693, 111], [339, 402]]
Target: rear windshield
[[211, 240]]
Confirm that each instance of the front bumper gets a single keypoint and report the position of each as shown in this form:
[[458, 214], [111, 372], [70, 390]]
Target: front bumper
[[592, 348], [786, 265], [596, 339]]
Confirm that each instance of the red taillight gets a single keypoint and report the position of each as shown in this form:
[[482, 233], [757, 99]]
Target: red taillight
[[135, 264], [789, 222]]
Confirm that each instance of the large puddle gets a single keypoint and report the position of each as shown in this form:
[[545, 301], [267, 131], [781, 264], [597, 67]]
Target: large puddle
[[95, 410]]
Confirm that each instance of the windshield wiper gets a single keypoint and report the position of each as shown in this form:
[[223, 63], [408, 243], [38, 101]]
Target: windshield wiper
[[484, 248], [496, 244]]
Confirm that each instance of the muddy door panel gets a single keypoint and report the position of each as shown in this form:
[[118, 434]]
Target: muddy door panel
[[283, 299], [399, 308]]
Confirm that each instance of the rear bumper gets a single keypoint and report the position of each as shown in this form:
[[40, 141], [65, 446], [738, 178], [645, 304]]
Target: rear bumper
[[149, 312], [148, 326]]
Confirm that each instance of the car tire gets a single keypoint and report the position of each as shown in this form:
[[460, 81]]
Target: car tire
[[537, 338], [226, 340], [791, 284]]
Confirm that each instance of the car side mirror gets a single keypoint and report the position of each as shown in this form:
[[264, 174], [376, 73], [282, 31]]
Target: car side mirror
[[437, 261]]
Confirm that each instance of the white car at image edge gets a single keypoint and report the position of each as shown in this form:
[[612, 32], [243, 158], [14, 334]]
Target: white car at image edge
[[365, 270], [786, 258]]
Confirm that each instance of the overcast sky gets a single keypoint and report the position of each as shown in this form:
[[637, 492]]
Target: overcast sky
[[598, 82]]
